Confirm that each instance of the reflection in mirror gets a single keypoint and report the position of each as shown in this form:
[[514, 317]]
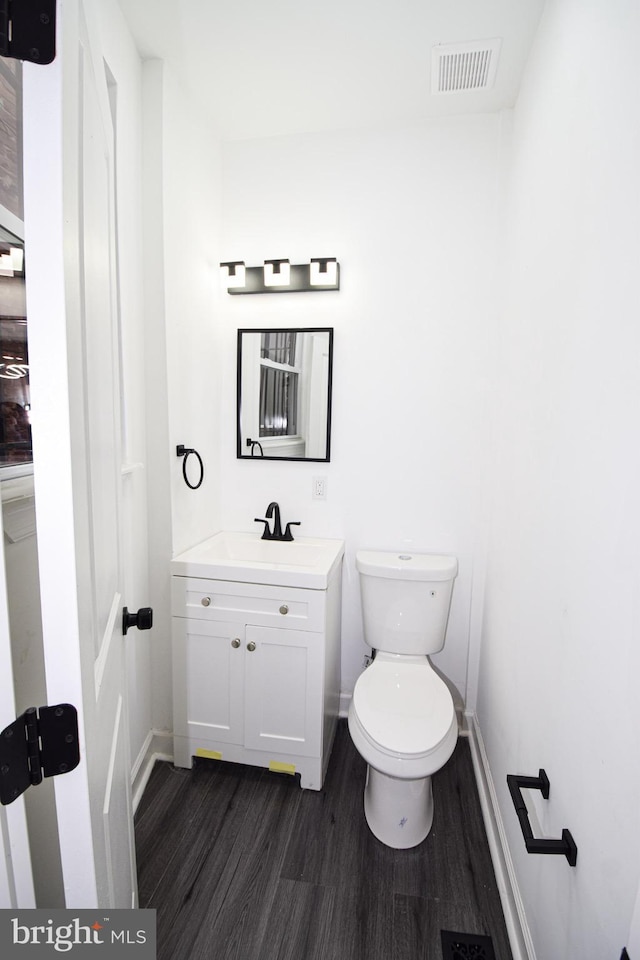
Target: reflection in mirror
[[15, 400], [284, 393]]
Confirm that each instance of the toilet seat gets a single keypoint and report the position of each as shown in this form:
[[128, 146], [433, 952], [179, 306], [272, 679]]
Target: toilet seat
[[403, 708]]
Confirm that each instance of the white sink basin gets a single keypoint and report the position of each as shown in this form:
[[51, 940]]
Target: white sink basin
[[303, 562]]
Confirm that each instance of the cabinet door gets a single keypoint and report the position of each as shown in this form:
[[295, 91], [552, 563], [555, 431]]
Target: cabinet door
[[283, 691], [208, 679]]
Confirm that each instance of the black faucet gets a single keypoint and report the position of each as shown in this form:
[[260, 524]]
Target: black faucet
[[273, 511]]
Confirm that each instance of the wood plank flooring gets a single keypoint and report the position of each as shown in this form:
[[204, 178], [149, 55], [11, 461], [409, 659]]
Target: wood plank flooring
[[241, 864]]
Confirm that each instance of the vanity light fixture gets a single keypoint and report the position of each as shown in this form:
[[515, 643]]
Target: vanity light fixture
[[281, 276], [233, 273]]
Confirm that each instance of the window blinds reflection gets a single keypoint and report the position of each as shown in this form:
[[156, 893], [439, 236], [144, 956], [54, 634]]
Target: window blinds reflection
[[278, 402], [279, 346]]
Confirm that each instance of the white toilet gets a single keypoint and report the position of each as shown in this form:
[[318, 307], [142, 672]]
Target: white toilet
[[401, 717]]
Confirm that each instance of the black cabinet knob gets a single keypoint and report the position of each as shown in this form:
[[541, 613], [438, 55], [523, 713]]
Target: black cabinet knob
[[143, 619]]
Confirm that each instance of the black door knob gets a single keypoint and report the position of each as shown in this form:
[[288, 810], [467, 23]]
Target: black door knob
[[143, 619]]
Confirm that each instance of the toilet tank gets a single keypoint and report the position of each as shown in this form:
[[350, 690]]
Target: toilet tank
[[405, 600]]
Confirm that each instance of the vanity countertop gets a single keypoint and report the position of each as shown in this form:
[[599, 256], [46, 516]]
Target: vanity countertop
[[304, 562]]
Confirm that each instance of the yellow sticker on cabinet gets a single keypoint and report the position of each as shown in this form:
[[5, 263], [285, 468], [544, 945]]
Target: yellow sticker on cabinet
[[209, 754], [276, 766]]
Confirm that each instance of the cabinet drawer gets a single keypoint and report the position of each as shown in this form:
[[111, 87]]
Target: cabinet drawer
[[286, 607]]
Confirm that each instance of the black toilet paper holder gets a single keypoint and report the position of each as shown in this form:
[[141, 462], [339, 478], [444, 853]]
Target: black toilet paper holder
[[566, 845]]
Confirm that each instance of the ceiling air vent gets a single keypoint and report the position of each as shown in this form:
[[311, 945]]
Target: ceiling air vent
[[456, 67]]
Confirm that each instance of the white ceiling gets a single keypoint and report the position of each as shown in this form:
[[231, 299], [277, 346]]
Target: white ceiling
[[267, 67]]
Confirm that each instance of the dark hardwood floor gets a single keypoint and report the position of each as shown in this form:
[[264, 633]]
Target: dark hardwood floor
[[241, 863]]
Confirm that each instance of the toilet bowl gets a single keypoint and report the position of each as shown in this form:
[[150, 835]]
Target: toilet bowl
[[401, 718], [403, 723]]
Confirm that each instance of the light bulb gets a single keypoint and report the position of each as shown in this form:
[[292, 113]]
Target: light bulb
[[277, 273], [323, 272], [233, 274]]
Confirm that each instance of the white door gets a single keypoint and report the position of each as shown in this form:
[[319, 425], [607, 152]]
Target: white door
[[72, 306], [16, 880]]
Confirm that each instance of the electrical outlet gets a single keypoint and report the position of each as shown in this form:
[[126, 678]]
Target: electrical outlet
[[319, 490]]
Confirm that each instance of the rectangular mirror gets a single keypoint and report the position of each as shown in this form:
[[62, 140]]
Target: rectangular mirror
[[284, 393]]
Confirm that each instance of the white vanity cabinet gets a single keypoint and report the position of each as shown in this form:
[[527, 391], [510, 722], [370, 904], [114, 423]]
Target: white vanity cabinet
[[256, 672]]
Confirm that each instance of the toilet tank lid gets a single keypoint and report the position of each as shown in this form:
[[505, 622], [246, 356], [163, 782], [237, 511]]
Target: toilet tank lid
[[406, 565]]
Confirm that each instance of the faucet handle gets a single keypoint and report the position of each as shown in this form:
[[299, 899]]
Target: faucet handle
[[287, 533], [266, 533]]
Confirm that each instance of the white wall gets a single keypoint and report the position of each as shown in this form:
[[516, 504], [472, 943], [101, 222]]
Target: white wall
[[561, 652], [411, 216], [191, 256], [181, 191]]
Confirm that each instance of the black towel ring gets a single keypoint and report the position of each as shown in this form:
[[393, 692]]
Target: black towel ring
[[182, 451]]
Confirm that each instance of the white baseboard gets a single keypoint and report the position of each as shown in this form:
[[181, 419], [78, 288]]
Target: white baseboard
[[512, 905], [158, 745], [140, 759]]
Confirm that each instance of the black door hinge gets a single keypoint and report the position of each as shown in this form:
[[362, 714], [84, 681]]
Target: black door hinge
[[28, 30], [41, 742]]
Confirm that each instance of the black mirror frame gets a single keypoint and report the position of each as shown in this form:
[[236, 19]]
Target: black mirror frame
[[246, 456]]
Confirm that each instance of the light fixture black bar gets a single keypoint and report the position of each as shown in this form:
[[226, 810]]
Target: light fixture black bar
[[232, 265], [323, 263], [276, 264]]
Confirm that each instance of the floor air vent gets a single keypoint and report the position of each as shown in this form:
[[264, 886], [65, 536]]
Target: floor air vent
[[459, 67], [466, 946]]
